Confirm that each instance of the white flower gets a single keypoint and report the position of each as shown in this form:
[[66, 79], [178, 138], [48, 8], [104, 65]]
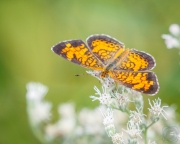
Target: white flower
[[108, 121], [108, 117], [174, 29], [39, 112], [51, 132], [91, 121], [136, 117], [108, 83], [118, 138], [104, 98], [36, 91], [110, 130], [122, 100], [133, 130], [66, 110], [170, 41], [156, 109], [66, 126], [67, 121]]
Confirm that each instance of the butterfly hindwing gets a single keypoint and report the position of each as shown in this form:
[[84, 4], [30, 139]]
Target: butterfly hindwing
[[145, 82]]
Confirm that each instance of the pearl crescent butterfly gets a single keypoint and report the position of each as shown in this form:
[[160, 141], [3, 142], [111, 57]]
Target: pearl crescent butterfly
[[128, 67]]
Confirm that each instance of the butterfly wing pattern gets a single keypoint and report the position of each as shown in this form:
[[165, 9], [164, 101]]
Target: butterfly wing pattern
[[128, 67], [104, 47], [77, 52]]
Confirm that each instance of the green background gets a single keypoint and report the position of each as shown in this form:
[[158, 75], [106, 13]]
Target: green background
[[28, 29]]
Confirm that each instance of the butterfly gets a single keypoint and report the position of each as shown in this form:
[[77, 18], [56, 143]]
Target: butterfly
[[103, 53]]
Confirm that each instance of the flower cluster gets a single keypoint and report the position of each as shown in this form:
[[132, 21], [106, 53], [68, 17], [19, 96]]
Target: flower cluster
[[118, 97], [37, 108], [111, 122], [74, 127], [172, 40]]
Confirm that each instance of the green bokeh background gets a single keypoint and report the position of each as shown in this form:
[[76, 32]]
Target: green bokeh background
[[28, 29]]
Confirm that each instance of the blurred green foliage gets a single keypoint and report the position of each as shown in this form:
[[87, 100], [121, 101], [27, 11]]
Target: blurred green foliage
[[28, 29]]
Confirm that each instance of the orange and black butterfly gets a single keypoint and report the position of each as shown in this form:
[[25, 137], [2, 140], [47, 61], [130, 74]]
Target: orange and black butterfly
[[128, 67]]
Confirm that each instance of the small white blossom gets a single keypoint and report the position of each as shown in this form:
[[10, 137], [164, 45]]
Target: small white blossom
[[66, 110], [122, 99], [104, 97], [110, 130], [108, 121], [51, 131], [108, 83], [40, 112], [108, 117], [170, 41], [156, 109], [91, 121], [174, 29], [118, 138], [66, 126], [133, 130], [137, 117], [35, 91]]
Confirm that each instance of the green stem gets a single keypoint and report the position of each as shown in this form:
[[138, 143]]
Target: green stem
[[145, 136], [150, 125], [145, 132]]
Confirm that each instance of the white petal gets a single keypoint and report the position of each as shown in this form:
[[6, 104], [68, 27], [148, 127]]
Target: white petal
[[174, 29]]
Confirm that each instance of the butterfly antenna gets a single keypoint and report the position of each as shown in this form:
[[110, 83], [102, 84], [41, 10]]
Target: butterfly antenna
[[81, 74]]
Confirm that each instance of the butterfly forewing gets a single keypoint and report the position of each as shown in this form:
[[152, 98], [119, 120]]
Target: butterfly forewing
[[77, 52], [104, 47]]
